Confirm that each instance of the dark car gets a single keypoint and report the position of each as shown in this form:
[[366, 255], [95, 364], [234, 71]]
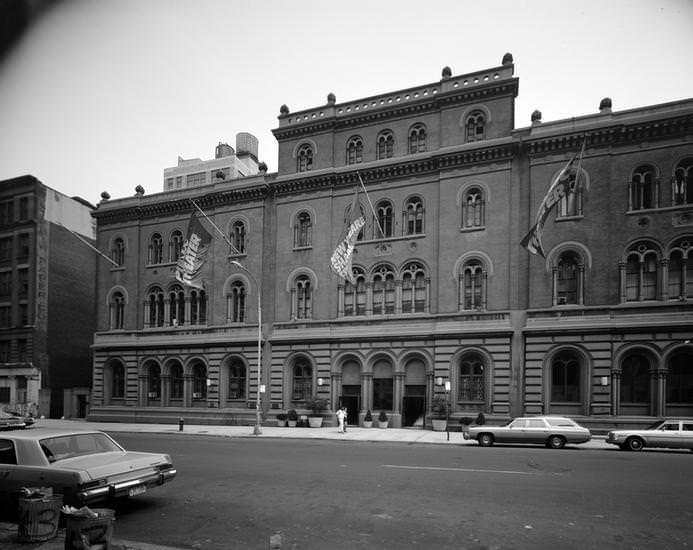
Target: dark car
[[11, 422], [27, 418]]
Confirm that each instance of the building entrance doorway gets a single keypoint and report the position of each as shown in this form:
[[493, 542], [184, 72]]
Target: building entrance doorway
[[414, 406], [351, 399]]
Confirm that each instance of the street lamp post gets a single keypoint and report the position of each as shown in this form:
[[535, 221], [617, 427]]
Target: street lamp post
[[257, 430]]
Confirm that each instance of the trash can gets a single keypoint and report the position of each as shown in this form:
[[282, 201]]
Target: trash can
[[39, 517], [83, 532]]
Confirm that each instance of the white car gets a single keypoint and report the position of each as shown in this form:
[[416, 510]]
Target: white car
[[670, 433]]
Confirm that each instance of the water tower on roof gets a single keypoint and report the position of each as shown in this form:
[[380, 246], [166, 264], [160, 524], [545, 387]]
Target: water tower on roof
[[246, 145]]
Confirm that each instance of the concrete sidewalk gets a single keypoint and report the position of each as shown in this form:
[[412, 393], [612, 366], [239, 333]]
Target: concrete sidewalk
[[8, 531]]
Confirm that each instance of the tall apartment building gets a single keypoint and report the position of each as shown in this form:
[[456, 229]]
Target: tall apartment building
[[228, 163], [445, 302], [47, 290]]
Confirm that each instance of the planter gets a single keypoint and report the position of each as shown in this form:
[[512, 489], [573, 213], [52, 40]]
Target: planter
[[367, 423], [281, 423], [438, 424], [315, 421], [292, 423], [383, 423]]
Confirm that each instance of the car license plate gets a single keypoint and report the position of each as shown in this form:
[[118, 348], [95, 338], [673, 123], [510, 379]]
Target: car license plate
[[137, 490]]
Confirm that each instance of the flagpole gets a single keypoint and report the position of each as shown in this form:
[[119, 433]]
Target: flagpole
[[223, 235], [115, 264], [375, 216]]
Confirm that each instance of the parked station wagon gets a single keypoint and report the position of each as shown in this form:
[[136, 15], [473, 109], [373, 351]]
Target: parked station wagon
[[670, 433], [552, 431]]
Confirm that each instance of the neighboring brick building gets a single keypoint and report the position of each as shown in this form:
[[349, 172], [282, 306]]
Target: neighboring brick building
[[47, 310], [600, 329]]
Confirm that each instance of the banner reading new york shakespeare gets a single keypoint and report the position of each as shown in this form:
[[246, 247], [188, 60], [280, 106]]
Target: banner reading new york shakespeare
[[341, 257], [563, 184], [193, 254]]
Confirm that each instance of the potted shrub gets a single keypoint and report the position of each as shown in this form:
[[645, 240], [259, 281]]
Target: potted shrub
[[281, 420], [382, 420], [368, 419], [465, 421], [316, 406], [292, 418], [439, 408]]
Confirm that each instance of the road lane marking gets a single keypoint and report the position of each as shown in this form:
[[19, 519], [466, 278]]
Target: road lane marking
[[471, 470]]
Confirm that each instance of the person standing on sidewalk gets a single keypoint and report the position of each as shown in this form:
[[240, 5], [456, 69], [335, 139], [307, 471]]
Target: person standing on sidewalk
[[341, 416]]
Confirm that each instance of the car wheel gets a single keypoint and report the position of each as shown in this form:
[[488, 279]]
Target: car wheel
[[634, 444], [555, 442], [485, 440]]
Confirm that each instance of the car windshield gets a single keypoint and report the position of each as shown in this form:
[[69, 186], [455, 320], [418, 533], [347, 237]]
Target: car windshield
[[69, 446], [655, 425]]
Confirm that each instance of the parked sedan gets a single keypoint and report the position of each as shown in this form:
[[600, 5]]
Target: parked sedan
[[84, 466], [27, 419], [11, 422], [552, 431], [670, 433]]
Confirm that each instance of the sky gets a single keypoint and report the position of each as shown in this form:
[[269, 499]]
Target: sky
[[102, 95]]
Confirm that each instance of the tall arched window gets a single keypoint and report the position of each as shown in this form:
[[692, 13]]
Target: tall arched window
[[302, 382], [682, 183], [355, 295], [472, 285], [680, 270], [414, 288], [154, 390], [354, 152], [304, 297], [238, 237], [177, 381], [237, 380], [385, 220], [680, 379], [198, 307], [175, 246], [117, 310], [471, 387], [155, 307], [641, 273], [117, 380], [303, 230], [635, 380], [236, 303], [417, 139], [473, 208], [565, 379], [156, 249], [383, 291], [199, 372], [413, 216], [476, 126], [386, 144], [304, 158], [643, 188], [568, 278], [176, 300], [118, 252]]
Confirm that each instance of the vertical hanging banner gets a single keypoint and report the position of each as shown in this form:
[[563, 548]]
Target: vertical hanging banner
[[342, 255], [193, 254]]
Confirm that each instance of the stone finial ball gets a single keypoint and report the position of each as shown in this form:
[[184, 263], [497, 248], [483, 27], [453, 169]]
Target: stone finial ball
[[507, 59], [331, 99], [139, 190], [605, 103], [536, 116], [262, 167], [284, 110], [447, 72], [105, 195]]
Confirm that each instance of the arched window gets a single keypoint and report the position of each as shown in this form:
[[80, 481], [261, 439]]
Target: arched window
[[355, 295], [472, 285], [682, 183], [237, 380], [238, 237], [304, 297], [302, 383], [417, 139], [199, 372], [386, 145], [176, 300], [117, 310], [476, 126], [473, 209], [641, 273], [354, 153], [471, 387], [643, 190], [154, 307], [568, 278], [118, 252], [177, 381], [236, 303], [383, 291], [117, 380], [156, 249], [175, 246], [154, 390], [303, 230], [414, 293], [198, 307], [680, 379], [304, 158], [635, 380], [385, 219], [680, 269], [565, 379], [413, 216]]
